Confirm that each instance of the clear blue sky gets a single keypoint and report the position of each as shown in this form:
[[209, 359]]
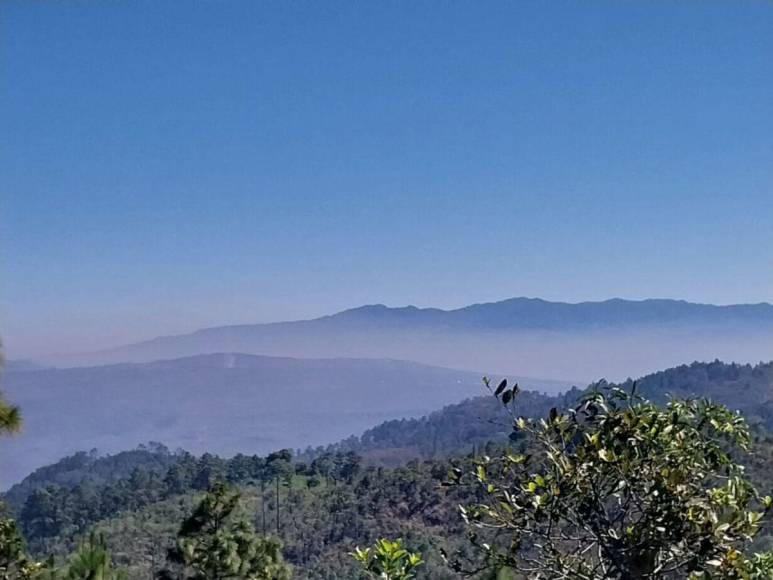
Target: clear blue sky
[[168, 165]]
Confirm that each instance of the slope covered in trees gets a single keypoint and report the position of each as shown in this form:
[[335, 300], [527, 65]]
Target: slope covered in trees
[[746, 388], [90, 468], [323, 503], [460, 427], [455, 429], [320, 510]]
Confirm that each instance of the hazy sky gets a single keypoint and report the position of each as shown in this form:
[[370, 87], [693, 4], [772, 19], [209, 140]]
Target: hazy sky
[[167, 165]]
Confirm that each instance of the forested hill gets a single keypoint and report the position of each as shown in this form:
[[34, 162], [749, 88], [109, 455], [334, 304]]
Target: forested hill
[[327, 501], [456, 428], [92, 469], [460, 427], [747, 388]]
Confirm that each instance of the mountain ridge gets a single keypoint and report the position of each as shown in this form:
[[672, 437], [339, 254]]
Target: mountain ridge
[[381, 309], [522, 336]]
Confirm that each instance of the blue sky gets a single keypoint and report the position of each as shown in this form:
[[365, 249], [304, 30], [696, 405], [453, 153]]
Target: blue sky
[[178, 164]]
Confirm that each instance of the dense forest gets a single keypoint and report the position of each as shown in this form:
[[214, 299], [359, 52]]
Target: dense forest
[[320, 510], [393, 481]]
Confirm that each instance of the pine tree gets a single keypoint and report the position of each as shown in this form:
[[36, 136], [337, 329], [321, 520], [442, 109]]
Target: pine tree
[[215, 544], [10, 417], [92, 561], [14, 562]]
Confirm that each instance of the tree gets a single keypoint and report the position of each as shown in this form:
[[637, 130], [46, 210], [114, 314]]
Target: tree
[[214, 544], [91, 561], [279, 467], [45, 512], [388, 560], [10, 417], [620, 488], [14, 562]]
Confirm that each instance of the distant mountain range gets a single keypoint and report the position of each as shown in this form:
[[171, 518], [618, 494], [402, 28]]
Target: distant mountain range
[[315, 381], [221, 403], [585, 341], [534, 313]]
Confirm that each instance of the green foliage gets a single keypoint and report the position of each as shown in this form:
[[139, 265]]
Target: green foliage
[[324, 515], [91, 469], [620, 488], [68, 498], [14, 562], [321, 523], [469, 425], [10, 417], [744, 388], [215, 544], [335, 499], [456, 429], [92, 561], [388, 560]]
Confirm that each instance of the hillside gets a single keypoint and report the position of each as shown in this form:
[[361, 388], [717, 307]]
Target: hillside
[[336, 497], [324, 509], [531, 337], [458, 428], [746, 388], [90, 468], [221, 403], [322, 401]]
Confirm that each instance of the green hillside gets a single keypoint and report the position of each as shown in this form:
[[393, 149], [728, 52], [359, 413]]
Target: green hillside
[[323, 502], [459, 428]]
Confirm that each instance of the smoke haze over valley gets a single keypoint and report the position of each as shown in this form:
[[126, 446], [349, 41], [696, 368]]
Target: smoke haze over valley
[[256, 388], [221, 403]]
